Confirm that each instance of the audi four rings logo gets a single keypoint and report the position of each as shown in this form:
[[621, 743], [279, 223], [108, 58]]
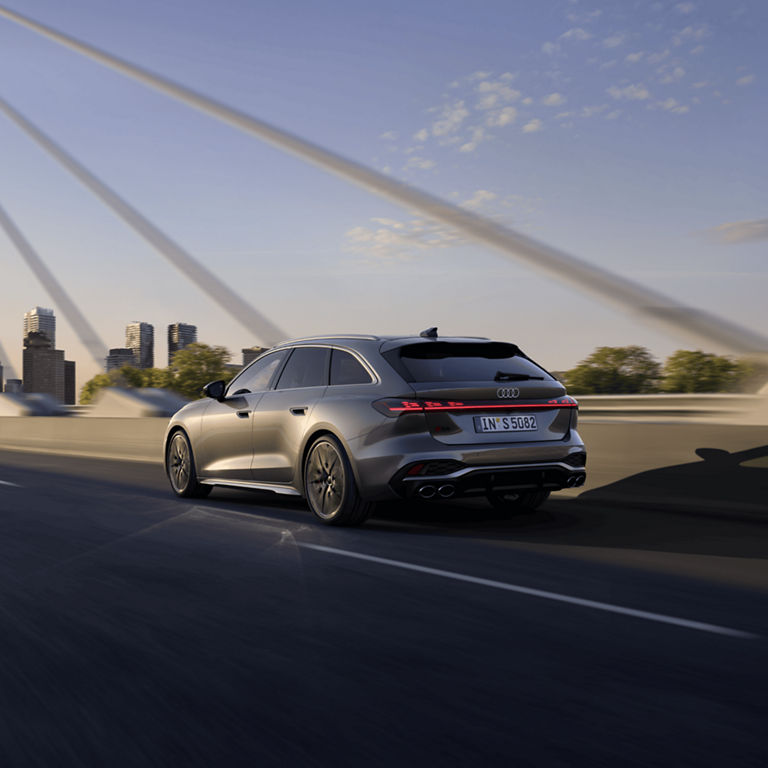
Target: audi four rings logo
[[506, 392]]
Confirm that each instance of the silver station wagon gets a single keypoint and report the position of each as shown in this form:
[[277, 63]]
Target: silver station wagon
[[346, 421]]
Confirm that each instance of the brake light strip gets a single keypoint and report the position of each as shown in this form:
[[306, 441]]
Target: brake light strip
[[480, 407]]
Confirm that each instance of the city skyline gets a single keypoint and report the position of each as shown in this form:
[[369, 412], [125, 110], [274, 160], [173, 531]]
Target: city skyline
[[630, 137]]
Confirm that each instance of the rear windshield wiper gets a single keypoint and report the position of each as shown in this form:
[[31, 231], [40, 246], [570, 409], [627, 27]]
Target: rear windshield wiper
[[503, 376]]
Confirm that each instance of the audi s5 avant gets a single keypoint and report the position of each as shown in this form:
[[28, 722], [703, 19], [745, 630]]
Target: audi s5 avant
[[346, 421]]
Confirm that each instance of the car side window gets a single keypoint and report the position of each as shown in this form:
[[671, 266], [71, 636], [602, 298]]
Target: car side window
[[346, 369], [307, 367], [256, 377]]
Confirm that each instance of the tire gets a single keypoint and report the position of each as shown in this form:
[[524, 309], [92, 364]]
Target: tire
[[517, 503], [330, 487], [180, 468]]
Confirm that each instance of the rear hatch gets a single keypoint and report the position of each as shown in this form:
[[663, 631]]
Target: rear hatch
[[477, 391]]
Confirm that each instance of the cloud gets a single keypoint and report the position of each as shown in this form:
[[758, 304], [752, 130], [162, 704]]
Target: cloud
[[550, 48], [633, 58], [636, 92], [501, 117], [389, 135], [421, 135], [478, 135], [392, 239], [479, 198], [532, 126], [576, 33], [672, 105], [670, 75], [451, 117], [740, 231], [656, 58], [553, 100], [685, 8], [697, 32], [614, 41], [746, 80], [497, 88], [594, 110], [421, 163]]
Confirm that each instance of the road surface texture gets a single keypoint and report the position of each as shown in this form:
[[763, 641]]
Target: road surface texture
[[141, 630]]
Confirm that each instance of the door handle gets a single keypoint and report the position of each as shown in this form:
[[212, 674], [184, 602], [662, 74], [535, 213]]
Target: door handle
[[243, 414], [298, 410]]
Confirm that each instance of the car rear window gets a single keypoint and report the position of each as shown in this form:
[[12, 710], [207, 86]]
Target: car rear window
[[451, 361]]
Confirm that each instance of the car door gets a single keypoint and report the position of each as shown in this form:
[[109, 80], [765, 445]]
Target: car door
[[282, 416], [225, 447]]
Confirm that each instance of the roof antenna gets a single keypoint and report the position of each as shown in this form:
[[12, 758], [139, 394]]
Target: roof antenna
[[430, 333]]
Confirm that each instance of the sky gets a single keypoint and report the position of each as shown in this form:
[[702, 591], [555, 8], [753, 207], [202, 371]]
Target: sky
[[630, 134]]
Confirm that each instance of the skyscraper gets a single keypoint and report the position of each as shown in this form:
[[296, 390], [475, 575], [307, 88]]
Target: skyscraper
[[179, 336], [118, 357], [140, 337], [43, 366], [40, 320]]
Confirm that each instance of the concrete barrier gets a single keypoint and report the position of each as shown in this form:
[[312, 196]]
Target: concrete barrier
[[138, 439]]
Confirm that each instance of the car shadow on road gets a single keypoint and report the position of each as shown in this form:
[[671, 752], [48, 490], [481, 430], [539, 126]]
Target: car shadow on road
[[711, 506]]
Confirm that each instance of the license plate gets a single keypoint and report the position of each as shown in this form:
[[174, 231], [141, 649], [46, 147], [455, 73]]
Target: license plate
[[505, 423]]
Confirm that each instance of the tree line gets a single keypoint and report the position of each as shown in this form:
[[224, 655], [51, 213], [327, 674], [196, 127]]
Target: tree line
[[634, 370], [190, 370], [607, 371]]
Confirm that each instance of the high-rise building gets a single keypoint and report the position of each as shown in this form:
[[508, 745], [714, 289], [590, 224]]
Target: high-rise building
[[40, 320], [180, 335], [118, 357], [140, 337], [43, 366], [69, 382], [251, 353]]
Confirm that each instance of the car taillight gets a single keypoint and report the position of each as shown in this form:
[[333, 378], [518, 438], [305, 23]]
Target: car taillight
[[394, 407]]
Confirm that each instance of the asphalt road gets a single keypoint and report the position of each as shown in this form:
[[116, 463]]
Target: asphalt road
[[137, 629]]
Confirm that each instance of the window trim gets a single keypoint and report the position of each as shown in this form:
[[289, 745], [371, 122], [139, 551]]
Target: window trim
[[360, 359], [229, 391]]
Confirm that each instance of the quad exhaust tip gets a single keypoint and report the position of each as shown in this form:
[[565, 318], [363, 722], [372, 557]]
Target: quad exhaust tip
[[446, 491], [427, 491]]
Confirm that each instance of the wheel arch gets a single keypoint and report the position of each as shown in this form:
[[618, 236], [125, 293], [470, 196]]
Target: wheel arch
[[308, 442]]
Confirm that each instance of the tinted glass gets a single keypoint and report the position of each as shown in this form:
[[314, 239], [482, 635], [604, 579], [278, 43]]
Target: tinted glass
[[345, 369], [447, 361], [307, 367], [256, 377]]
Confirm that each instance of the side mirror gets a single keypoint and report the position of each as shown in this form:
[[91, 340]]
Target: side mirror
[[215, 389]]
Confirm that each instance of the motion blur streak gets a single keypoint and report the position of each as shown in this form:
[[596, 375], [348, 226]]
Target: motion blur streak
[[646, 615], [5, 361], [85, 331], [697, 325], [225, 297]]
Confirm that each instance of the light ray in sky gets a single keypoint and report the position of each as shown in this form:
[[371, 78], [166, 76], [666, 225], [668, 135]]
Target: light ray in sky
[[245, 314], [9, 372], [676, 318], [84, 330]]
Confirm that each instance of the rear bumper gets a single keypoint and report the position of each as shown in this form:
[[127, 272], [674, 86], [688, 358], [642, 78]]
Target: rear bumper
[[381, 466], [480, 481]]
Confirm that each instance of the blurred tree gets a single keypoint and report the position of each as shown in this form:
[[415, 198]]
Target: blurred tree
[[92, 386], [697, 371], [615, 371], [194, 366]]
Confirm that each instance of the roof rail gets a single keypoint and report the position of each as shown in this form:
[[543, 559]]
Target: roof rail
[[324, 336]]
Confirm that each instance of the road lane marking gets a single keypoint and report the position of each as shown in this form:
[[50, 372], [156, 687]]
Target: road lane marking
[[14, 485], [608, 607]]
